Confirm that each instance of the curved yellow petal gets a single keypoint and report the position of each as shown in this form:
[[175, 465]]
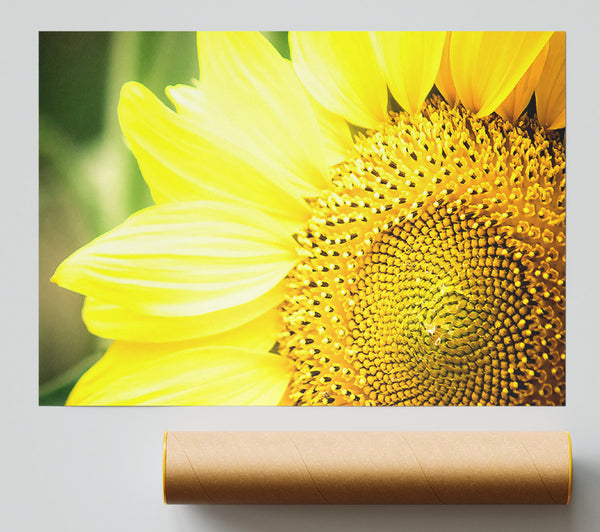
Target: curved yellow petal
[[486, 66], [550, 91], [255, 101], [337, 139], [182, 374], [119, 323], [340, 71], [444, 81], [515, 103], [182, 259], [182, 162], [410, 61], [260, 333], [188, 101]]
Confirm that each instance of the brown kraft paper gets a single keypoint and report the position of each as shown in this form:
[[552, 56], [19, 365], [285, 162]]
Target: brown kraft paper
[[367, 467]]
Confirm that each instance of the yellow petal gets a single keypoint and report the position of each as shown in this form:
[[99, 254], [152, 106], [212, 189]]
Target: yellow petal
[[337, 140], [550, 92], [444, 81], [182, 259], [182, 374], [188, 101], [515, 103], [119, 323], [410, 61], [486, 66], [182, 162], [254, 100], [340, 72], [259, 334]]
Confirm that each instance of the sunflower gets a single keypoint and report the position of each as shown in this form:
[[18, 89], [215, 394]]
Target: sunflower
[[379, 221]]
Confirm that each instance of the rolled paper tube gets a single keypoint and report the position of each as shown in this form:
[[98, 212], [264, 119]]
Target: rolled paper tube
[[367, 467]]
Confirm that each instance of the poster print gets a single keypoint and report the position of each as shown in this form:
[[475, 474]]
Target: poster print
[[378, 220]]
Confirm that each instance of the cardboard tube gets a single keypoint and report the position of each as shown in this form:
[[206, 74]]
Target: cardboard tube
[[367, 467]]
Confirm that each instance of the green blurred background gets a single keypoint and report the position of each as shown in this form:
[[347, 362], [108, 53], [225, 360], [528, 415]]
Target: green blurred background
[[88, 180]]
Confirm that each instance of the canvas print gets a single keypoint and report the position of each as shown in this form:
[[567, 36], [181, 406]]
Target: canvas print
[[316, 218]]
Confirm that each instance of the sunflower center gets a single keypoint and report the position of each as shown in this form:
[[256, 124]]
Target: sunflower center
[[433, 269], [428, 321]]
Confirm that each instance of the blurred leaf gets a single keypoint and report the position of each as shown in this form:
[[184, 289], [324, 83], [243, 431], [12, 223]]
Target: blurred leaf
[[167, 58], [279, 39], [72, 72]]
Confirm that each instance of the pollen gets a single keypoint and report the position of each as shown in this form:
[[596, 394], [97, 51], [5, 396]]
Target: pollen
[[433, 270]]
